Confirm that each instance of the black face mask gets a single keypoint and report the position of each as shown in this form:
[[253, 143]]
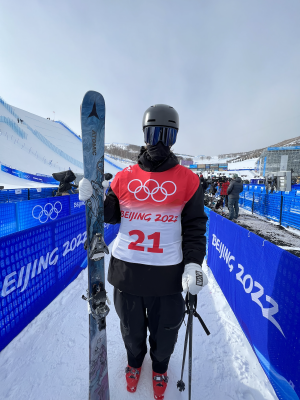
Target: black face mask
[[158, 152]]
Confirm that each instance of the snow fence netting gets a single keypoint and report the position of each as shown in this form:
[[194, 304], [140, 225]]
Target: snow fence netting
[[261, 283]]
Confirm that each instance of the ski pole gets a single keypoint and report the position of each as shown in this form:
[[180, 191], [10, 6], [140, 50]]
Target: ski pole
[[192, 300], [181, 384], [191, 305]]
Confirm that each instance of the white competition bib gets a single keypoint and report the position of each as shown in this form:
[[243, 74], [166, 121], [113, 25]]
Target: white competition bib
[[151, 204]]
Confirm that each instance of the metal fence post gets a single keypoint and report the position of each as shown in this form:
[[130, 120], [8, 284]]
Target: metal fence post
[[281, 203]]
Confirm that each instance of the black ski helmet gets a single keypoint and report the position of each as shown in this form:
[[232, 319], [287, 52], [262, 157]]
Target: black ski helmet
[[161, 115], [160, 124]]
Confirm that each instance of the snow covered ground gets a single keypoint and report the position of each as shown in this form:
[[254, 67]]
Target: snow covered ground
[[49, 358]]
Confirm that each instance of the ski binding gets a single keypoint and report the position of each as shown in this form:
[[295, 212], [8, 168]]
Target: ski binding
[[98, 247], [97, 304]]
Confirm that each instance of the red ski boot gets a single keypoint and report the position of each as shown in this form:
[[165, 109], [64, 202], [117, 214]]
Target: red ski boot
[[160, 382], [132, 378]]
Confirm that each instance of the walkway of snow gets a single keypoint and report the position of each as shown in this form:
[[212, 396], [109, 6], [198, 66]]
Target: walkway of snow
[[49, 359]]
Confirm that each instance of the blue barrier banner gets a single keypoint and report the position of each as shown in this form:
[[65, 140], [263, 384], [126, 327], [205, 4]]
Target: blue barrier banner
[[6, 169], [37, 212], [8, 219], [75, 204], [261, 283], [29, 177], [36, 265]]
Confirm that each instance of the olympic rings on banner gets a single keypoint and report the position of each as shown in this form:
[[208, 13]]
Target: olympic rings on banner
[[49, 211]]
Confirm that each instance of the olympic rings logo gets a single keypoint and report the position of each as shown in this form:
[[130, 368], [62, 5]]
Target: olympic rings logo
[[49, 211], [152, 192]]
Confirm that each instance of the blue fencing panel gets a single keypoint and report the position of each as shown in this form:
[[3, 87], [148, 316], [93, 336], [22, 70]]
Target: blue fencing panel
[[248, 200], [76, 205], [259, 203], [8, 219], [207, 212], [17, 195], [272, 209], [261, 284], [291, 211], [110, 232], [242, 199], [4, 197], [40, 193], [37, 212], [36, 265]]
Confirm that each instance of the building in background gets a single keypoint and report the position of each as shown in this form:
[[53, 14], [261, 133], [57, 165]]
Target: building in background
[[274, 159]]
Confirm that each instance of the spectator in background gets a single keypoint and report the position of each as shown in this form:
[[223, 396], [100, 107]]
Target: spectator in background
[[233, 191], [223, 193], [203, 182]]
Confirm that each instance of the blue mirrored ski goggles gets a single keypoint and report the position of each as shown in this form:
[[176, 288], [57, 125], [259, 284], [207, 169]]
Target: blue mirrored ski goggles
[[155, 134]]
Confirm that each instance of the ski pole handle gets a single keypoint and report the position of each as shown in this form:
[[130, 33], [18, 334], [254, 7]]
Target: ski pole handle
[[191, 300]]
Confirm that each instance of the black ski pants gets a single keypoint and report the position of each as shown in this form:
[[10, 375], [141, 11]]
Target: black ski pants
[[162, 315]]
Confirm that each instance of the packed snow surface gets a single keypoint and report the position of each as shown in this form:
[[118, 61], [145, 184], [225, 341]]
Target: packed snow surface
[[49, 358]]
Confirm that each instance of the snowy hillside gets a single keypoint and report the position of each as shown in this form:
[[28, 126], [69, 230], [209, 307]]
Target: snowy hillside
[[50, 356], [36, 145]]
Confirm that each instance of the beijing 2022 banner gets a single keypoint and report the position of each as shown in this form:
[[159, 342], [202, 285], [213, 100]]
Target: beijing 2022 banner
[[261, 283], [36, 265]]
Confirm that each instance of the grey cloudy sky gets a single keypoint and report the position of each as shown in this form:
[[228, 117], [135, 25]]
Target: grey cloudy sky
[[231, 68]]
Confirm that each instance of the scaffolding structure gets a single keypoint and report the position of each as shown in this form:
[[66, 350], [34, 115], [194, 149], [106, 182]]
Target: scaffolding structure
[[274, 159]]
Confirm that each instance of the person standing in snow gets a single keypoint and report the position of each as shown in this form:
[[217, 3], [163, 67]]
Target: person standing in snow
[[223, 193], [203, 183], [159, 249], [233, 191]]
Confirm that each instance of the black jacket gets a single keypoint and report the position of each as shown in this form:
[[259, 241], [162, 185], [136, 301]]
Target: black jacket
[[203, 183], [145, 280], [235, 188]]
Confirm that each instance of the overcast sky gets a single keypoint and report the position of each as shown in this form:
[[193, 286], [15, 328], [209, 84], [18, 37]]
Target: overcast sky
[[231, 68]]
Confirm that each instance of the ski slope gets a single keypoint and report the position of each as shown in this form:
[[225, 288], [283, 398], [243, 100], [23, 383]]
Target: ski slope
[[38, 146], [49, 358]]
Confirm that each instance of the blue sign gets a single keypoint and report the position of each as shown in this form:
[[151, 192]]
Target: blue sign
[[76, 205], [193, 166], [284, 148], [261, 284]]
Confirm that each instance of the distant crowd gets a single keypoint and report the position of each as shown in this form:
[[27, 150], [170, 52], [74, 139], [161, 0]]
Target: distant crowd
[[230, 189]]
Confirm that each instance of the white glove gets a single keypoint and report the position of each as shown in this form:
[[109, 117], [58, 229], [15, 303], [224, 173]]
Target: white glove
[[193, 278], [105, 185], [85, 189]]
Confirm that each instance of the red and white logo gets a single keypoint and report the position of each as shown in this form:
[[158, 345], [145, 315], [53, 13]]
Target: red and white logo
[[158, 193]]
